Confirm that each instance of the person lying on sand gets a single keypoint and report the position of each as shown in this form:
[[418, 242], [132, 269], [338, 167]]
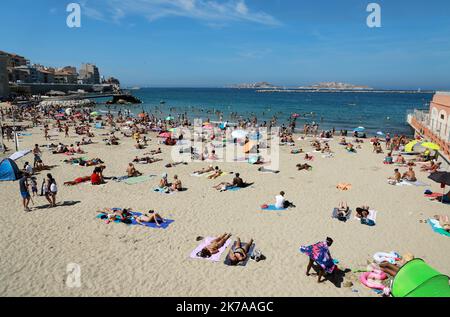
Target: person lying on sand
[[305, 167], [175, 164], [132, 171], [309, 157], [154, 152], [362, 212], [217, 173], [297, 151], [410, 175], [146, 160], [266, 170], [397, 178], [208, 169], [343, 210], [238, 253], [78, 180], [214, 246], [150, 217], [445, 198], [444, 221], [116, 214], [393, 269], [343, 141], [237, 182]]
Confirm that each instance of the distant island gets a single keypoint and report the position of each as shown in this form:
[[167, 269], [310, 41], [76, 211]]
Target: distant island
[[325, 85], [260, 85]]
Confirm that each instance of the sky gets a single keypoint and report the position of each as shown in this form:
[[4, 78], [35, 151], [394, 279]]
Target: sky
[[213, 43]]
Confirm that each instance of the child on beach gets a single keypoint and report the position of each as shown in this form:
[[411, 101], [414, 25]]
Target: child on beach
[[34, 185]]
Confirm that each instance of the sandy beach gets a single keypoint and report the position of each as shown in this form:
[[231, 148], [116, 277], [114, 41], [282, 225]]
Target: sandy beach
[[121, 260]]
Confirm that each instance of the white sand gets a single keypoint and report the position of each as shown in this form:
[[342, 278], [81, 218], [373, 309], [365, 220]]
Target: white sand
[[119, 260]]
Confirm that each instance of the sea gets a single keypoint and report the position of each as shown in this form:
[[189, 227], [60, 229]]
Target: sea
[[375, 111]]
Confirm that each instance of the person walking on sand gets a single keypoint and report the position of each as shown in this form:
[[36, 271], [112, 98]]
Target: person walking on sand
[[50, 190], [24, 192]]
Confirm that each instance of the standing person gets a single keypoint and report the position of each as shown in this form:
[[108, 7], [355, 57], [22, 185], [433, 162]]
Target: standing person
[[320, 254], [37, 155], [50, 190], [46, 133], [34, 185], [66, 130], [28, 169], [24, 192]]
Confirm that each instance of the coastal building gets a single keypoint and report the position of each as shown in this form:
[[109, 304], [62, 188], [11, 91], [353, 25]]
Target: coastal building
[[14, 60], [89, 74], [66, 75], [434, 124], [4, 82]]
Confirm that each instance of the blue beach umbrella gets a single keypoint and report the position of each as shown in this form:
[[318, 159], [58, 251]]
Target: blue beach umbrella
[[359, 129], [380, 133]]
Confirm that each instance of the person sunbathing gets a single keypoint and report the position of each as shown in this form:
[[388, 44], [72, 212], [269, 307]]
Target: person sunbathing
[[238, 253], [305, 167], [444, 221], [397, 178], [93, 162], [214, 246], [393, 269], [176, 185], [217, 173], [326, 148], [297, 151], [309, 157], [163, 182], [78, 180], [204, 170], [237, 182], [409, 175], [267, 170], [443, 199], [150, 217], [362, 212], [343, 141], [400, 159], [343, 211], [138, 145], [117, 214], [350, 148], [132, 171], [154, 152], [388, 159]]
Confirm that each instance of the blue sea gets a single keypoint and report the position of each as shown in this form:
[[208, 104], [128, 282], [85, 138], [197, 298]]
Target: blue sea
[[384, 112]]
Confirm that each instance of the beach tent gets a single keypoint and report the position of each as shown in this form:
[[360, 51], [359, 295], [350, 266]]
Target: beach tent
[[19, 154], [9, 170], [418, 279]]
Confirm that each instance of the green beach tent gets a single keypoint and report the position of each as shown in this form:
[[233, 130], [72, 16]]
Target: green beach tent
[[418, 279]]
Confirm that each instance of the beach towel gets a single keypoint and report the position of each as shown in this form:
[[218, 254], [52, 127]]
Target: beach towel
[[320, 254], [273, 208], [434, 195], [437, 227], [164, 225], [243, 263], [205, 243], [137, 180], [416, 183], [334, 214], [372, 216], [344, 186]]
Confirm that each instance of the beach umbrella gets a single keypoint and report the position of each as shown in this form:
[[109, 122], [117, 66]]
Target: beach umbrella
[[431, 146], [94, 114], [409, 147], [239, 134], [443, 178], [359, 129], [380, 133], [165, 135], [440, 177], [68, 111], [169, 118], [141, 115]]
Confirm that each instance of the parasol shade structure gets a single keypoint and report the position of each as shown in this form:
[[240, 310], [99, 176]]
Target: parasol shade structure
[[94, 114], [359, 129], [431, 146], [169, 118], [440, 177], [239, 134], [165, 135]]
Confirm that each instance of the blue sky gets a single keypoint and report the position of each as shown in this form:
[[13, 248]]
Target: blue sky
[[203, 43]]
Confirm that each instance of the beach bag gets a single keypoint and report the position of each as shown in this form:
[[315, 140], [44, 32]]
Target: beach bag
[[368, 222], [53, 188]]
